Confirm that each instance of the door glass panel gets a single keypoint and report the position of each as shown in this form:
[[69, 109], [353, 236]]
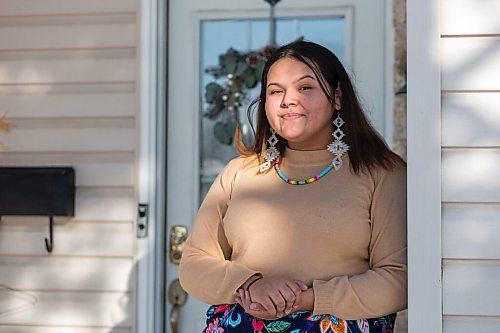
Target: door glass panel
[[217, 37]]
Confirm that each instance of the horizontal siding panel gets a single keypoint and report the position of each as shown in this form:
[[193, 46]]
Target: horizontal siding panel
[[66, 88], [52, 7], [71, 105], [118, 31], [470, 119], [471, 175], [479, 17], [462, 324], [67, 274], [470, 63], [25, 236], [96, 204], [68, 70], [96, 170], [65, 308], [65, 136], [471, 231], [54, 329], [471, 288]]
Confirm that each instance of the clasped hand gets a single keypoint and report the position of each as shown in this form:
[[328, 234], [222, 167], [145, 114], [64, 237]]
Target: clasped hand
[[272, 298]]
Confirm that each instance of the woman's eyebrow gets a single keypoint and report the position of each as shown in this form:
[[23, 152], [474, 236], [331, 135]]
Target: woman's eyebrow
[[299, 79], [273, 84], [305, 77]]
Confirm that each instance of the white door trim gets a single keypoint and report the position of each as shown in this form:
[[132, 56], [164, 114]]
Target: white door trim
[[424, 167], [389, 55], [151, 171]]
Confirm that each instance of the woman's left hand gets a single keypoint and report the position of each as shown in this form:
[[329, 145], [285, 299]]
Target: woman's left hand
[[304, 302], [254, 309]]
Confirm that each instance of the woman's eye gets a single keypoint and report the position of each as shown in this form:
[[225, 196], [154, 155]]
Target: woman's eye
[[305, 88], [274, 91]]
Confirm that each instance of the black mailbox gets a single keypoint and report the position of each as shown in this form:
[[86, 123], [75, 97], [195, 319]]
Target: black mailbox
[[40, 191]]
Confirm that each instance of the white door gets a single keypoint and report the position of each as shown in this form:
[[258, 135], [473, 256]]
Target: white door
[[199, 31]]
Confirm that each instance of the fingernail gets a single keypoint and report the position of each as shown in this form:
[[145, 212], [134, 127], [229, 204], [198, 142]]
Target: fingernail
[[238, 299], [287, 311], [295, 306], [253, 306]]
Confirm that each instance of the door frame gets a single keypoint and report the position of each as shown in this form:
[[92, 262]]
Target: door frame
[[151, 165]]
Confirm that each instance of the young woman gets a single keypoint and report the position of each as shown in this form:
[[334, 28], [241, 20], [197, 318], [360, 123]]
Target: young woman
[[306, 231]]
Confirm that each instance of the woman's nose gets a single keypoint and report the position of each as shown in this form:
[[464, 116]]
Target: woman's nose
[[288, 99]]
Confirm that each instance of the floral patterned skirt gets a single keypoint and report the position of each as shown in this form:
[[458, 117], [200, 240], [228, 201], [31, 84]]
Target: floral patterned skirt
[[232, 318]]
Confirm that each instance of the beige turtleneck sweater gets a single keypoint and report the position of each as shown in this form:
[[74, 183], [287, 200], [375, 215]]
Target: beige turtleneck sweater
[[344, 235]]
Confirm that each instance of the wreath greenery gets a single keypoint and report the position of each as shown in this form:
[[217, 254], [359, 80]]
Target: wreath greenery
[[239, 71]]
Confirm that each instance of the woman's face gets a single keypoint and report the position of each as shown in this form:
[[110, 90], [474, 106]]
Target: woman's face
[[296, 106]]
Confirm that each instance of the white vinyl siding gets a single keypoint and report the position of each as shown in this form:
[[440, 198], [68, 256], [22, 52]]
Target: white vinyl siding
[[471, 119], [472, 63], [471, 231], [68, 84], [470, 68]]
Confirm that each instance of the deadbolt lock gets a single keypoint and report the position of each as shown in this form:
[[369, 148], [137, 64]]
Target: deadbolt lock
[[178, 236]]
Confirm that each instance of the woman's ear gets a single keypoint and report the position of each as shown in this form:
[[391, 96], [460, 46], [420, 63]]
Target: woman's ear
[[337, 103]]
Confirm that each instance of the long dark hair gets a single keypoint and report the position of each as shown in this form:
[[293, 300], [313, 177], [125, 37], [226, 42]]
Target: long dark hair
[[367, 148]]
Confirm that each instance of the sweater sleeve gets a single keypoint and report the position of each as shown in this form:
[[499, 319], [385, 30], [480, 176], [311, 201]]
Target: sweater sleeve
[[205, 270], [382, 289]]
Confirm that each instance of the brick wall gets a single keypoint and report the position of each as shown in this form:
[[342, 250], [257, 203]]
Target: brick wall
[[399, 138]]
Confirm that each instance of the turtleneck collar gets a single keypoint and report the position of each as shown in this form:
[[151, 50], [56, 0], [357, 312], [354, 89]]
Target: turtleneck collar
[[307, 157]]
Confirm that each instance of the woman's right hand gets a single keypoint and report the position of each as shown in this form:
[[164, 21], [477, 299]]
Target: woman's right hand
[[276, 295]]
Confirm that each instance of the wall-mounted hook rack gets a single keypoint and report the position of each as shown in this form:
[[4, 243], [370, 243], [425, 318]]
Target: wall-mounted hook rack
[[49, 243], [38, 191]]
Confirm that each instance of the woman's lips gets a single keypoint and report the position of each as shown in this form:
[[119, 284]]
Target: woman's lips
[[291, 116]]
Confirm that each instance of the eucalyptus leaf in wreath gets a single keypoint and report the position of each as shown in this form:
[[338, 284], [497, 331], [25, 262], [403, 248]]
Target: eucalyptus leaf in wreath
[[213, 96], [229, 68], [224, 131], [231, 55], [249, 78], [241, 67], [229, 61], [213, 92]]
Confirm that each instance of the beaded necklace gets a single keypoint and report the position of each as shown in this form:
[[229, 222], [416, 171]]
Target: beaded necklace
[[300, 182]]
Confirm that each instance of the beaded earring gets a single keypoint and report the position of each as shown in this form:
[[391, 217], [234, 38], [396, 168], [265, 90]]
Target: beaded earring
[[271, 153], [338, 147]]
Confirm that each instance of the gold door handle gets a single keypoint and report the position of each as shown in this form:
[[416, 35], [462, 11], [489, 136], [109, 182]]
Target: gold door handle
[[174, 317], [178, 236], [177, 298]]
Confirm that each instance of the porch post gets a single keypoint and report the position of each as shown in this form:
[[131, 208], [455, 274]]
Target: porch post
[[424, 167]]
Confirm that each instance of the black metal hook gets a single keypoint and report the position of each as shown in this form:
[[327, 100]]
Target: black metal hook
[[49, 243]]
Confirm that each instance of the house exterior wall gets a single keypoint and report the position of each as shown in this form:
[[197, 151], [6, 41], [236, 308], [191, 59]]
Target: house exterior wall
[[453, 153], [68, 85], [470, 90]]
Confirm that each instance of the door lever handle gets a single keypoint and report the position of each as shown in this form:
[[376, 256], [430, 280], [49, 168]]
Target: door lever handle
[[177, 298]]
